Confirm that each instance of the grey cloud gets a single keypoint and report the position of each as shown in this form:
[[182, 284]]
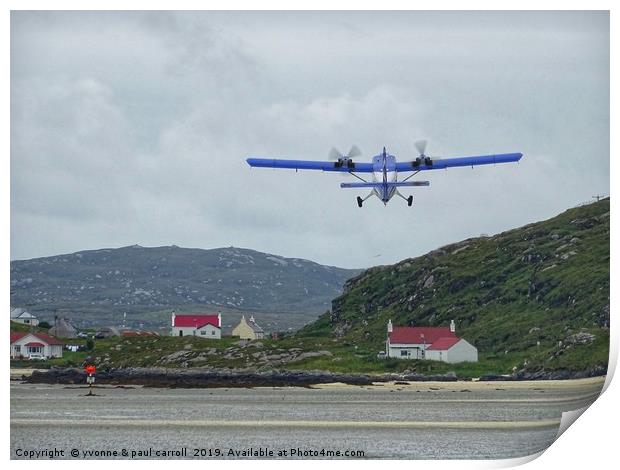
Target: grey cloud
[[133, 127]]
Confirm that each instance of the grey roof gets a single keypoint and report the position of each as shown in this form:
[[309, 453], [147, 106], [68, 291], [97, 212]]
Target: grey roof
[[63, 329], [112, 330], [254, 326], [21, 313]]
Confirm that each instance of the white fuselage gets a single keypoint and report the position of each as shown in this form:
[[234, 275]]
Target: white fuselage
[[384, 171], [384, 193]]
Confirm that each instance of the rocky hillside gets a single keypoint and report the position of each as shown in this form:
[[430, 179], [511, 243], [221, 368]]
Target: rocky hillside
[[533, 297], [100, 285]]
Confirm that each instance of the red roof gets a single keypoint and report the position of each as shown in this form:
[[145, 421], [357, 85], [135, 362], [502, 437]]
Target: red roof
[[34, 343], [16, 335], [419, 334], [443, 344], [196, 320]]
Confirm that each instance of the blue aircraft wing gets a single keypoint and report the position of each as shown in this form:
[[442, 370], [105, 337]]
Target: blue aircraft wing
[[459, 161], [338, 166]]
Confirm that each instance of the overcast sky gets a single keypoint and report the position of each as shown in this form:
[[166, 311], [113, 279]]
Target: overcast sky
[[133, 128]]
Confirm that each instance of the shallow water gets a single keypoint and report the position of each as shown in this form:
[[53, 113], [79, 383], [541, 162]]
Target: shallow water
[[418, 421]]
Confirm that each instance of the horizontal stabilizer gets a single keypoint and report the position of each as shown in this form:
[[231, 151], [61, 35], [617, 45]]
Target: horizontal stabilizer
[[395, 184]]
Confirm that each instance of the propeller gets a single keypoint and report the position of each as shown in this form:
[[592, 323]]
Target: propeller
[[423, 159], [420, 145], [335, 154]]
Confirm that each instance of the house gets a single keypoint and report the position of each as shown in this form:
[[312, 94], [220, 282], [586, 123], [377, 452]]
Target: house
[[432, 343], [20, 315], [107, 332], [248, 329], [63, 329], [197, 324], [31, 345]]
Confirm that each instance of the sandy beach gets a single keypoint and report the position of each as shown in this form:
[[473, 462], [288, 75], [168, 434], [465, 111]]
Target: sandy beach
[[590, 383], [418, 420]]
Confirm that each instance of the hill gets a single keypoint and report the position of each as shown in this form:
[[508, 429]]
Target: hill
[[532, 298], [98, 286]]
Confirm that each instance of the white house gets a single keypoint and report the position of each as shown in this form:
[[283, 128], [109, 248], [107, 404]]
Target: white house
[[25, 345], [197, 324], [432, 343], [20, 315]]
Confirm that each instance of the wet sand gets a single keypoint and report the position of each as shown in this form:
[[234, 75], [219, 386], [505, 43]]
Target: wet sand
[[388, 420]]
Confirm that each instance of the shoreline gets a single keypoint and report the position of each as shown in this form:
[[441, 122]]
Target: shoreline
[[474, 385], [201, 378]]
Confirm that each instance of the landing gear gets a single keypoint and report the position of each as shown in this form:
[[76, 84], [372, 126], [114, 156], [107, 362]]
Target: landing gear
[[409, 199], [360, 200]]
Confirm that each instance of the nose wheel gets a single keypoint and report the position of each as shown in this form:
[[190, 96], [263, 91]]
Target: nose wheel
[[360, 201]]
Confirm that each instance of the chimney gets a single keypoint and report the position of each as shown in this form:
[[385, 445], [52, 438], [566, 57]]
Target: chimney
[[173, 315], [452, 326], [390, 328], [252, 319]]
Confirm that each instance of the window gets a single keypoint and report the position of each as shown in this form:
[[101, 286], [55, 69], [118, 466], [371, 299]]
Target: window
[[212, 332], [404, 352], [18, 348], [35, 349], [203, 332]]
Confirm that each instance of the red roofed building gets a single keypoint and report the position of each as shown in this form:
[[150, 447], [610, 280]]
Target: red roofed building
[[428, 342], [197, 324], [34, 345]]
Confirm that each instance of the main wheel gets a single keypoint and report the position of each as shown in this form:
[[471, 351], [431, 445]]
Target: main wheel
[[410, 201], [360, 201]]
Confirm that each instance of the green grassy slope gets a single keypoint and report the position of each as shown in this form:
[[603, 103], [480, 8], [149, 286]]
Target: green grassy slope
[[530, 298]]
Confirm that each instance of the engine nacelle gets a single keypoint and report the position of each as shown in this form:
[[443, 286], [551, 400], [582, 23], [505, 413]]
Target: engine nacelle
[[345, 162]]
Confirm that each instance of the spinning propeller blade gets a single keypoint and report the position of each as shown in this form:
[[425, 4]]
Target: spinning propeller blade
[[335, 154], [354, 152], [420, 145]]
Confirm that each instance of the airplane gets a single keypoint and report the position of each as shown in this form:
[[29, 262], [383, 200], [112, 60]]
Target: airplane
[[384, 169]]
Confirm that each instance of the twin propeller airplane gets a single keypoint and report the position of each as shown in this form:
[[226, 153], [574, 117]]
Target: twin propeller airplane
[[384, 169]]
